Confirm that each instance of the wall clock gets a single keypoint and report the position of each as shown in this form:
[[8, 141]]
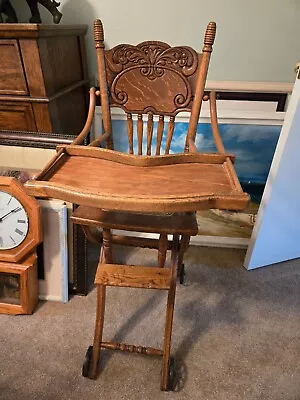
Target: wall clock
[[20, 233]]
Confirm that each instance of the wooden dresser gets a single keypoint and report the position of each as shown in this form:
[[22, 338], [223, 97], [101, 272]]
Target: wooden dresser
[[43, 83]]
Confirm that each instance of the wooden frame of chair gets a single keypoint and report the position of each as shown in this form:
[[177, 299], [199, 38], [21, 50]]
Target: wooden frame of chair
[[115, 275], [155, 79]]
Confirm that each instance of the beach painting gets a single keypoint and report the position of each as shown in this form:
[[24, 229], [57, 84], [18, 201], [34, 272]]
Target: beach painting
[[253, 146]]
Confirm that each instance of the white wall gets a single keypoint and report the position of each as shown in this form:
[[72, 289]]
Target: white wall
[[257, 40]]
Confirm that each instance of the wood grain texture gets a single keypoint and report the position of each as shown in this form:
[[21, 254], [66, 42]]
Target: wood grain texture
[[118, 191], [11, 70], [18, 116], [151, 77], [104, 183], [162, 250], [140, 134], [35, 69], [149, 133], [130, 132], [27, 272], [133, 276], [150, 223], [33, 210], [164, 383], [131, 348], [99, 324], [171, 126], [160, 131], [40, 30]]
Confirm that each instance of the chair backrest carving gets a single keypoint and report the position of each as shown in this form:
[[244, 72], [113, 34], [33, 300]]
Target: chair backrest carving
[[152, 78]]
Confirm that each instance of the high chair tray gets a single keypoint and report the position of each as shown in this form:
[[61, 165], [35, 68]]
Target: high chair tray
[[108, 179]]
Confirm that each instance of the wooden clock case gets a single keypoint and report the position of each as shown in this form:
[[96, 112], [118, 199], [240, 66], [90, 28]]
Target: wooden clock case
[[20, 262]]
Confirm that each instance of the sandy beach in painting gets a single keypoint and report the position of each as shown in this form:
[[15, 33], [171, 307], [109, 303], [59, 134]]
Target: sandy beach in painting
[[227, 223]]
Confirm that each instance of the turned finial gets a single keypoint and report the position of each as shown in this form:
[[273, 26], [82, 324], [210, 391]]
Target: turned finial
[[98, 33], [209, 37]]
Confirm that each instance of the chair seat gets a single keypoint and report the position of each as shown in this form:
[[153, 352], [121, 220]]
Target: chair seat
[[182, 224], [133, 276]]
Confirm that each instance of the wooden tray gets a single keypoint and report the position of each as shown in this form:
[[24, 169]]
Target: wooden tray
[[171, 183]]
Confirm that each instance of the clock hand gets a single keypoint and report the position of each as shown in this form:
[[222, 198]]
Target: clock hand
[[10, 212]]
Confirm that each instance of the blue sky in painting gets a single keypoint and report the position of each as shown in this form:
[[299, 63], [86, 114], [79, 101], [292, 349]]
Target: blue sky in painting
[[253, 145]]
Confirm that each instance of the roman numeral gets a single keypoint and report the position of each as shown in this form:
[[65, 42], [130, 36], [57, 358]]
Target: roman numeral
[[21, 221], [17, 209], [19, 232], [13, 240], [9, 200]]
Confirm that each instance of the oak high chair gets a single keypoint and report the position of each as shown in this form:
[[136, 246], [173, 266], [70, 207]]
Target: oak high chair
[[149, 193]]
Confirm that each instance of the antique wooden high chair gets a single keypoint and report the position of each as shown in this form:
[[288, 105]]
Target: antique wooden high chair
[[143, 193]]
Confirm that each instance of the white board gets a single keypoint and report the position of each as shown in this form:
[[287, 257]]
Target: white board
[[275, 237]]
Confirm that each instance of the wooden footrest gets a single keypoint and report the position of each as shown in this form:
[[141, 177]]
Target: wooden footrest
[[133, 276]]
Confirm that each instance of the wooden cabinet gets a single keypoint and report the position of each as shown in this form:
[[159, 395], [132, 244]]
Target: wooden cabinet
[[44, 83]]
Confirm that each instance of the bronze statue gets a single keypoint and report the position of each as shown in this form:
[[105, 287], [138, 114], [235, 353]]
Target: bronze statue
[[51, 5]]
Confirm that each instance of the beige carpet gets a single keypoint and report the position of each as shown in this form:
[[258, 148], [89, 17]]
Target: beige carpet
[[236, 336]]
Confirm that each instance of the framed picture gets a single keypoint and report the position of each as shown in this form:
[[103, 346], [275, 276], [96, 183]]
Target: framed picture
[[53, 281]]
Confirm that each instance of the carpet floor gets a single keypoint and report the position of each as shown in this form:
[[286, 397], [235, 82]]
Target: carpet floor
[[236, 336]]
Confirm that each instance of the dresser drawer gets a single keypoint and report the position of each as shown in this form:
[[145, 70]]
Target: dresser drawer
[[17, 116], [11, 69]]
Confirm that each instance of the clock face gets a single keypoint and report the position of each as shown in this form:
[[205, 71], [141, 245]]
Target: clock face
[[13, 222]]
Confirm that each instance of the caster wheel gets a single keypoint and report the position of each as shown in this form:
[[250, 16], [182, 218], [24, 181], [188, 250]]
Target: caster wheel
[[181, 274], [87, 362], [172, 375]]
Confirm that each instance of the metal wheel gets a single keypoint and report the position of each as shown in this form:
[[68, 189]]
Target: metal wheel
[[87, 362]]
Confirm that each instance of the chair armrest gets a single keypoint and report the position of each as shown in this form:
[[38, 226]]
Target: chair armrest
[[87, 127], [193, 149], [214, 123], [215, 129], [99, 140]]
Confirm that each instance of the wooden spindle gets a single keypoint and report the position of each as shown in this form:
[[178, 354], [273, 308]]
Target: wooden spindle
[[201, 79], [170, 134], [106, 248], [162, 249], [99, 44], [131, 348], [149, 133], [130, 132], [160, 130], [140, 134]]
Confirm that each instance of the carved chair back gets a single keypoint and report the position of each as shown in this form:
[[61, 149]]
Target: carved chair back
[[152, 80]]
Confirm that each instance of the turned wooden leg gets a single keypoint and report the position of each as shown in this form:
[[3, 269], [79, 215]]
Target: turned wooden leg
[[165, 384], [162, 249], [107, 246], [101, 291]]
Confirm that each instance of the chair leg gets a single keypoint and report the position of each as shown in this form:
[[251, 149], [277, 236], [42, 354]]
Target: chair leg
[[162, 249], [184, 244], [101, 292], [105, 257], [107, 246], [166, 383]]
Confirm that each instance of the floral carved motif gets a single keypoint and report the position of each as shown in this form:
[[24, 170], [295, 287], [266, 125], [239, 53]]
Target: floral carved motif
[[154, 57], [151, 76]]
